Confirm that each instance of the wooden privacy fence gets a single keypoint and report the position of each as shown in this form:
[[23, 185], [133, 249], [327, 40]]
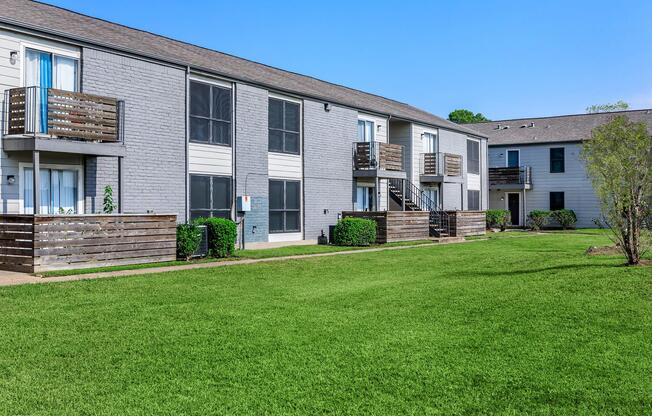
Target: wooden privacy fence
[[36, 243], [377, 155], [396, 225], [438, 164], [69, 114], [463, 223]]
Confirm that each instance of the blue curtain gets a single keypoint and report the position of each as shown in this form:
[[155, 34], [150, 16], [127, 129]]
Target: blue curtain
[[45, 82]]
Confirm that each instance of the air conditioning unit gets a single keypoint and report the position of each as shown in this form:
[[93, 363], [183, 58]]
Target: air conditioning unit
[[202, 250]]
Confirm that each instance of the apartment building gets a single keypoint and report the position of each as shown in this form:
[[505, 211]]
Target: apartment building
[[536, 164], [178, 128]]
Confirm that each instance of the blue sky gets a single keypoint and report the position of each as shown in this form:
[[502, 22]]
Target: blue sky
[[504, 59]]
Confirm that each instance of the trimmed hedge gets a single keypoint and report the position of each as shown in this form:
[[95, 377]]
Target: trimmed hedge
[[355, 232], [222, 234], [565, 217], [498, 218], [538, 218], [188, 240]]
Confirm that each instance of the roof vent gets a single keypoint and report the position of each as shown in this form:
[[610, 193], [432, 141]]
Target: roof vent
[[523, 126], [505, 127], [531, 124], [499, 127]]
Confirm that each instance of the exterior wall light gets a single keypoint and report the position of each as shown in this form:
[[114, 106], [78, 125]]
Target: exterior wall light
[[13, 57], [327, 107], [11, 179]]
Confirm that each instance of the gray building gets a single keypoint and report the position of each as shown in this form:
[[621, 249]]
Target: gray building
[[535, 164], [174, 127]]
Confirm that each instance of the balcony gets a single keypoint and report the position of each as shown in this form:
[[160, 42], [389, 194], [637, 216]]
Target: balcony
[[378, 160], [440, 167], [519, 177], [48, 119]]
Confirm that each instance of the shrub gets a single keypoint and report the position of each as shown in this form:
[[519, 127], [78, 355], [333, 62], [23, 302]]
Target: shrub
[[354, 232], [498, 218], [538, 219], [222, 234], [188, 239], [565, 217]]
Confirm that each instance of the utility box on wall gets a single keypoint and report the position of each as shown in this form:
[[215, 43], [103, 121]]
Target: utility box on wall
[[243, 203]]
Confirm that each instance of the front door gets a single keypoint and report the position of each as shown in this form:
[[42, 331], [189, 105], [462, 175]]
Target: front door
[[514, 207]]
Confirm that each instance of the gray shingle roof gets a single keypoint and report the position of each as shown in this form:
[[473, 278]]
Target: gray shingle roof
[[569, 128], [55, 20]]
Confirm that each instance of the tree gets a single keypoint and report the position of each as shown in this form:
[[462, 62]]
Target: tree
[[607, 108], [462, 116], [619, 159]]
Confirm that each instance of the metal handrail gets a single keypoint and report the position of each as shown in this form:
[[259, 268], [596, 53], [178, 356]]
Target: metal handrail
[[438, 218]]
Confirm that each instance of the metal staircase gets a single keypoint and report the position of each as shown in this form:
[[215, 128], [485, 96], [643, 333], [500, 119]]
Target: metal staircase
[[406, 194]]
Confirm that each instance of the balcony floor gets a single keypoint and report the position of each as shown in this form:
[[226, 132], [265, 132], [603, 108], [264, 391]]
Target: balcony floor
[[25, 143], [379, 173]]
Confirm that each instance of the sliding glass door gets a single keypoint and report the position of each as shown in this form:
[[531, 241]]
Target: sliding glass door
[[58, 191]]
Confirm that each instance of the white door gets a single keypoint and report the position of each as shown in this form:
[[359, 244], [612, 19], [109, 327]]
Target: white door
[[432, 194]]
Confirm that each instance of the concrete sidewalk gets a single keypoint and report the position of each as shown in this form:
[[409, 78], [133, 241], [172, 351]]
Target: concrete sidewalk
[[13, 278]]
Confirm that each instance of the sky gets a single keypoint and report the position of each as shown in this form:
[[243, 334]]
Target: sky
[[503, 59]]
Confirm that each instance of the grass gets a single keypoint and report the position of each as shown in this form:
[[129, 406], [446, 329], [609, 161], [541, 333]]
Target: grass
[[239, 255], [506, 326]]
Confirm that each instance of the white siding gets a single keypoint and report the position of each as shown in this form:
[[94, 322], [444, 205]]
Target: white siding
[[380, 126], [578, 190], [210, 159], [284, 166]]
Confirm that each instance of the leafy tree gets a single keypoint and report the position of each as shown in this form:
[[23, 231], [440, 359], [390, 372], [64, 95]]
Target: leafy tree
[[619, 160], [462, 116], [607, 108], [109, 205]]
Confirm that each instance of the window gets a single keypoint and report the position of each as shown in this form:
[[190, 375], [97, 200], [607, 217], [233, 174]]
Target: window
[[58, 191], [364, 200], [210, 114], [283, 119], [474, 200], [429, 143], [365, 131], [513, 159], [210, 196], [557, 160], [473, 157], [284, 206], [556, 201]]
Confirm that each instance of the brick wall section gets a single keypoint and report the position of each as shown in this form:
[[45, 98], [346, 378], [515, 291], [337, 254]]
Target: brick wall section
[[328, 176], [154, 167], [251, 158]]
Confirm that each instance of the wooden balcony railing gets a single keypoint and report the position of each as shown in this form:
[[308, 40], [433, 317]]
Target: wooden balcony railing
[[63, 114], [377, 155], [440, 164], [521, 175]]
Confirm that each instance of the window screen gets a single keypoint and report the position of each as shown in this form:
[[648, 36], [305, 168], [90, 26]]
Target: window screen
[[284, 126], [284, 206], [210, 196], [474, 200], [473, 157], [210, 114]]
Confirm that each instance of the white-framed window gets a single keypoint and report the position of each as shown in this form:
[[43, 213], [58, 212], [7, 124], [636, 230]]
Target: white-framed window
[[62, 190], [473, 156], [50, 70], [366, 131], [430, 143]]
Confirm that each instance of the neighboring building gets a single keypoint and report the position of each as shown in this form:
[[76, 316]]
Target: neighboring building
[[177, 128], [535, 164]]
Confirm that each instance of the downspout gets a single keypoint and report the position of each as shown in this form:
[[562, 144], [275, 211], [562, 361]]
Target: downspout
[[187, 147]]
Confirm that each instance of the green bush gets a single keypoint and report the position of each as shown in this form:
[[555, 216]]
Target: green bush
[[222, 234], [188, 239], [538, 218], [355, 232], [498, 218], [565, 217]]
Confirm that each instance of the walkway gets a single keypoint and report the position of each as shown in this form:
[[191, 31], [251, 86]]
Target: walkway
[[13, 278]]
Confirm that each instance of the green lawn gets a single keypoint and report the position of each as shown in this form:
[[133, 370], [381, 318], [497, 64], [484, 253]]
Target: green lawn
[[239, 255], [514, 325]]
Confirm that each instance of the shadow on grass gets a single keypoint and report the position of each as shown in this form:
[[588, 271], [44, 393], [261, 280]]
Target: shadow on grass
[[564, 267]]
